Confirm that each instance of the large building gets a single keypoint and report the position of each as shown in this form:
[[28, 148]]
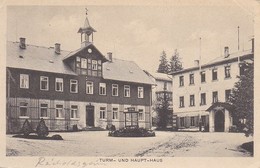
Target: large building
[[81, 87], [201, 93]]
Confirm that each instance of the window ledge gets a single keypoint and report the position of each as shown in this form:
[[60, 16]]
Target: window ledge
[[44, 117], [103, 119], [215, 80], [74, 118], [191, 84], [59, 118], [181, 106], [25, 117], [226, 78], [203, 82]]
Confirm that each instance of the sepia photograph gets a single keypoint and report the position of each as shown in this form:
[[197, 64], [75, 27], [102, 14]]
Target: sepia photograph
[[129, 84]]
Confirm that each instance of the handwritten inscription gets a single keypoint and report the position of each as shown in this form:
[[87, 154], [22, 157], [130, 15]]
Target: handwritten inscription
[[53, 162]]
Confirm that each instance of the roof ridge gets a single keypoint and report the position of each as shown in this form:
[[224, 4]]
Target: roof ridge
[[37, 45]]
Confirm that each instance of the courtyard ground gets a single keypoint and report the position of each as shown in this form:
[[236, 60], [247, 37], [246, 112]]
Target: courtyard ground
[[165, 144]]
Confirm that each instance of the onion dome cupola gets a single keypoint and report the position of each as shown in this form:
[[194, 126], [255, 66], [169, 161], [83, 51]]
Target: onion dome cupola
[[86, 31]]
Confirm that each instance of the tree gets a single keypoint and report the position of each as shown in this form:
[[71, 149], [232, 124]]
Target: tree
[[242, 98], [175, 63], [42, 130], [163, 66], [27, 129], [164, 114]]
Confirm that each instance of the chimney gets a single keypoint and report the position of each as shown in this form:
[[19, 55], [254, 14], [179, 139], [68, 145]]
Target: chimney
[[226, 52], [196, 63], [57, 48], [109, 55], [22, 43]]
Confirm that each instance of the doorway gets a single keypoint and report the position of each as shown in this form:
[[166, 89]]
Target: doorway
[[90, 116], [219, 121]]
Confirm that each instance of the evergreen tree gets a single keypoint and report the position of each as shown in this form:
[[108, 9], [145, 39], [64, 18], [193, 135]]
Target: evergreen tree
[[42, 130], [175, 63], [163, 66], [27, 129], [242, 98]]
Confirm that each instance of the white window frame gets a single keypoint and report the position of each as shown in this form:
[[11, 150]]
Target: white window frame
[[94, 64], [89, 87], [24, 81], [44, 79], [74, 111], [59, 80], [114, 86], [59, 111], [102, 89], [73, 82], [23, 106], [140, 92], [43, 107], [115, 113], [102, 112], [127, 88], [84, 63]]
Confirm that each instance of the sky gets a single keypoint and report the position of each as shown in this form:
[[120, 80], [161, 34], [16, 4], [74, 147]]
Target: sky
[[139, 33]]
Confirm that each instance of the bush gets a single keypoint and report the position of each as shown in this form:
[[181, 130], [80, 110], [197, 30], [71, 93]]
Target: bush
[[57, 137], [42, 130], [26, 129], [111, 127], [132, 132]]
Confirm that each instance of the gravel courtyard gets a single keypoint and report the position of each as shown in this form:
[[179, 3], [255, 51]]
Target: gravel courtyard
[[165, 144]]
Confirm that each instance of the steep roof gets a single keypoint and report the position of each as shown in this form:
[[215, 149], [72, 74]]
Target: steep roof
[[36, 58], [160, 76], [123, 70], [45, 59]]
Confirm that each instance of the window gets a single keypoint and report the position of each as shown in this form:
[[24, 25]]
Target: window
[[44, 84], [227, 72], [182, 101], [23, 109], [102, 112], [203, 76], [73, 86], [214, 97], [24, 81], [192, 121], [203, 99], [43, 110], [114, 90], [182, 121], [84, 63], [73, 111], [181, 80], [59, 85], [102, 88], [59, 110], [192, 100], [126, 90], [214, 74], [203, 120], [89, 87], [115, 113], [191, 79], [94, 64], [227, 95], [165, 86], [140, 92], [141, 114]]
